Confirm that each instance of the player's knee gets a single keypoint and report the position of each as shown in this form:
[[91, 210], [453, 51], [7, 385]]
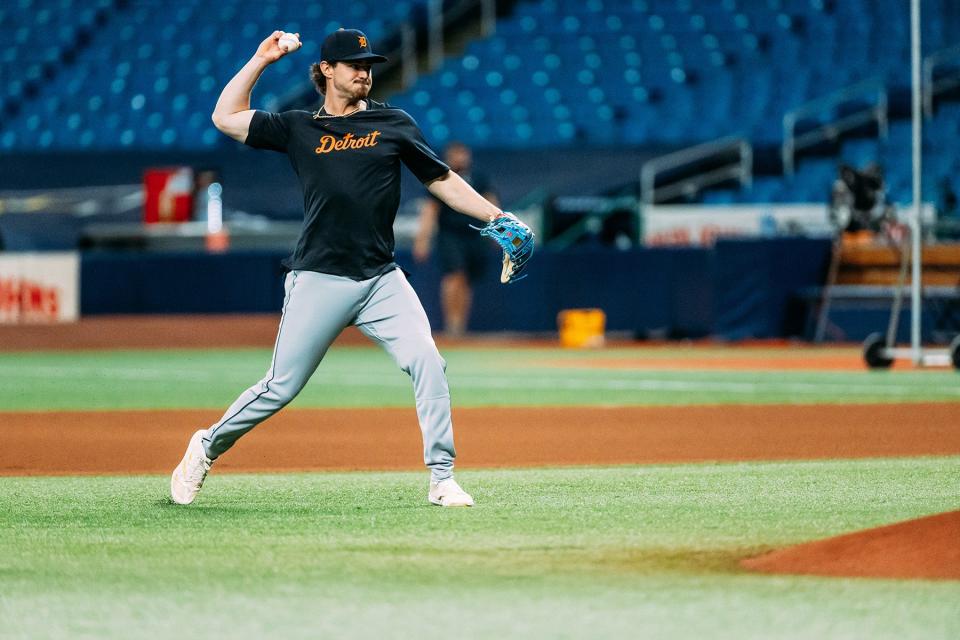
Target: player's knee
[[422, 357], [280, 391]]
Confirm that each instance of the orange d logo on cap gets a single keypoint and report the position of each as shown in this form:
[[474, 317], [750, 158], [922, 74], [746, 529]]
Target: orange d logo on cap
[[363, 40]]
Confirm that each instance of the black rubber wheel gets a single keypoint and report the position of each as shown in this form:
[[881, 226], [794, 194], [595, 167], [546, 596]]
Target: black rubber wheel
[[873, 352], [955, 353]]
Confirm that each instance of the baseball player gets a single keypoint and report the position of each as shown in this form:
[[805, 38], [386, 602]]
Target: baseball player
[[347, 156]]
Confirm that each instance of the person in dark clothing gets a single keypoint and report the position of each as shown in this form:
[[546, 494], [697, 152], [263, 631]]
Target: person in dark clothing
[[948, 212], [858, 199], [463, 256]]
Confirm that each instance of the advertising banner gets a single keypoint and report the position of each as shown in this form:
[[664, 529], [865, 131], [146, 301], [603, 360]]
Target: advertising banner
[[39, 287], [168, 194], [700, 225]]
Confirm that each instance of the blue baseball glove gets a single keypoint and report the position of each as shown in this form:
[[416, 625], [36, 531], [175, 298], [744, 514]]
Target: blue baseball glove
[[516, 240]]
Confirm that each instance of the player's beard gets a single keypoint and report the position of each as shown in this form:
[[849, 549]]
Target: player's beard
[[363, 89], [355, 90]]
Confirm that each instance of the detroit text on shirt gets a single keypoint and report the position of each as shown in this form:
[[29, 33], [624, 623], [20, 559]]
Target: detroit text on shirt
[[329, 143]]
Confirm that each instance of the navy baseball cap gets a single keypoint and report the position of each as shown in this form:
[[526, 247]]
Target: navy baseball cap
[[348, 45]]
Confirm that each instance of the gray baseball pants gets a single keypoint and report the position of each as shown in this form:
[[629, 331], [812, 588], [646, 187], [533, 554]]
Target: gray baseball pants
[[316, 308]]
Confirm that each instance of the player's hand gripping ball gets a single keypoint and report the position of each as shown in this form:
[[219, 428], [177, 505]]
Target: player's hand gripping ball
[[516, 240], [289, 42]]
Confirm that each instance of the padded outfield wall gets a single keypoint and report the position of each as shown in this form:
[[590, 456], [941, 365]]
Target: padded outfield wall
[[734, 290]]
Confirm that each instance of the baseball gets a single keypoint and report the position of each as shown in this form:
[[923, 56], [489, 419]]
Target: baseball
[[289, 42]]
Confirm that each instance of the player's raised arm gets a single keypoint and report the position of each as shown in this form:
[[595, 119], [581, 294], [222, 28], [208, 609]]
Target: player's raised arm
[[232, 114]]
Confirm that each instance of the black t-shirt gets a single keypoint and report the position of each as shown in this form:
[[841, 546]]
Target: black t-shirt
[[349, 170], [450, 220]]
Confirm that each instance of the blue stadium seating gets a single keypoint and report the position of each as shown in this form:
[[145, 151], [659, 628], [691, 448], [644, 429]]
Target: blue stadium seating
[[144, 74], [659, 71], [678, 72], [147, 73]]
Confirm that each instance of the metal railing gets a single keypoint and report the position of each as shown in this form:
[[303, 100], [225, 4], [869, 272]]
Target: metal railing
[[435, 22], [741, 169], [594, 210], [78, 201], [408, 55], [405, 56], [932, 86], [877, 111], [440, 16]]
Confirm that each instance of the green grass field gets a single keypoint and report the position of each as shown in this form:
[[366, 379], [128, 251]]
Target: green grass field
[[360, 376], [552, 553], [634, 551]]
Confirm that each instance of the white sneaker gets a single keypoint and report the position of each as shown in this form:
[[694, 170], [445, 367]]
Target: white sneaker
[[188, 477], [447, 493]]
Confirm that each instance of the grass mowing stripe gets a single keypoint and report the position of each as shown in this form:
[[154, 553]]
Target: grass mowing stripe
[[355, 377], [568, 552], [115, 373], [546, 380]]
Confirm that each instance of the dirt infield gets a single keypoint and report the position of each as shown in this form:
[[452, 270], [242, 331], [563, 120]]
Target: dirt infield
[[315, 439], [198, 331], [926, 548], [184, 332], [144, 332]]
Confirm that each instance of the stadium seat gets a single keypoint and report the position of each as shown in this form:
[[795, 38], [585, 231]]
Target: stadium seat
[[146, 52], [555, 73]]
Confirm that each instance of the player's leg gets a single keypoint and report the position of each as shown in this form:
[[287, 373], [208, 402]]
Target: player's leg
[[394, 317], [455, 296], [316, 308], [476, 261], [454, 287]]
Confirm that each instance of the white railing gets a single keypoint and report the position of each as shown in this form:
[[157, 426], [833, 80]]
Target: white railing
[[740, 168], [439, 20], [932, 86], [79, 201], [873, 90], [488, 17], [435, 22]]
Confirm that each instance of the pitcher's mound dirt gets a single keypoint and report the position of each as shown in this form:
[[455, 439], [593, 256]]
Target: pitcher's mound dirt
[[926, 548]]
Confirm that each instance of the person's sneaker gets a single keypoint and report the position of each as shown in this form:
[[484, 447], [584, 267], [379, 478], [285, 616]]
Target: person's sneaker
[[447, 493], [188, 477]]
